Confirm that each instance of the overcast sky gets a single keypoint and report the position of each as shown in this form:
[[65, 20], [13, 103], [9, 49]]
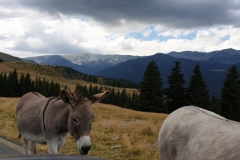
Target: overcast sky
[[133, 27]]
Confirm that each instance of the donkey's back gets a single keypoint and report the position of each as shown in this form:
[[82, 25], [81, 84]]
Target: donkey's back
[[194, 133]]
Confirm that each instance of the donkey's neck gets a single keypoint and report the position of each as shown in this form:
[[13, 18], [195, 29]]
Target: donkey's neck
[[57, 114]]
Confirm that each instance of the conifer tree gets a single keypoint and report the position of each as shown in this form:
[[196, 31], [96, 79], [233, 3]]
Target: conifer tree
[[12, 84], [215, 105], [151, 94], [230, 96], [1, 84], [32, 85], [52, 88], [175, 92], [118, 96], [57, 89], [95, 90], [38, 84], [22, 86], [134, 101], [197, 93], [5, 85], [123, 98], [28, 83], [90, 90], [84, 90], [112, 96], [44, 88]]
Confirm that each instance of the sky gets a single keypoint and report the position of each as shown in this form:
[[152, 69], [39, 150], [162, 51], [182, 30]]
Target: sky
[[125, 27]]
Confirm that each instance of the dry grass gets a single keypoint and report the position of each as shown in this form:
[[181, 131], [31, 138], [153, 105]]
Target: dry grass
[[117, 133]]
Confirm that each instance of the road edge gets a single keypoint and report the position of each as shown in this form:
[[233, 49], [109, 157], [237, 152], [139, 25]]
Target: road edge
[[12, 145]]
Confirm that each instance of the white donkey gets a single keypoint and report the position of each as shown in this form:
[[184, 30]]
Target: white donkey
[[192, 133]]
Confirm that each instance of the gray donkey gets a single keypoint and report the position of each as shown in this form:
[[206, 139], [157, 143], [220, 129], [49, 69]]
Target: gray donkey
[[48, 120]]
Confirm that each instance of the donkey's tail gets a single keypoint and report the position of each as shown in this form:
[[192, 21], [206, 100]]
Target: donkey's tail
[[19, 136]]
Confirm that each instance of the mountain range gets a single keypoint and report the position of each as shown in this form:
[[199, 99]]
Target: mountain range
[[226, 56], [213, 65], [83, 62]]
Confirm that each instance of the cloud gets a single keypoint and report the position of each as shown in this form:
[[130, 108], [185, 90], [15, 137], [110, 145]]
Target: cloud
[[170, 13], [147, 32], [117, 27]]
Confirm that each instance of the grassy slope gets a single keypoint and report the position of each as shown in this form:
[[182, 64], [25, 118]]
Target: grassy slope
[[117, 133]]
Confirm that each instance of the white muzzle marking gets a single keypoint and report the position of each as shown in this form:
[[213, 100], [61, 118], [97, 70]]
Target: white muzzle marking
[[84, 144]]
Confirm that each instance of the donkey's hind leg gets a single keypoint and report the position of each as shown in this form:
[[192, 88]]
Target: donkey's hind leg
[[33, 148], [26, 146]]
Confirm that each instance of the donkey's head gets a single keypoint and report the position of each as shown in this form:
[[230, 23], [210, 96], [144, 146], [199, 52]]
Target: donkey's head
[[80, 117]]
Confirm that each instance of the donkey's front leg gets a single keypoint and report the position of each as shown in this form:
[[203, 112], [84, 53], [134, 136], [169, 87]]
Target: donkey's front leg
[[26, 146], [52, 146]]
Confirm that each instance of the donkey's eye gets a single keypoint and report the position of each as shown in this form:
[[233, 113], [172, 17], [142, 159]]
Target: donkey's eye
[[75, 120]]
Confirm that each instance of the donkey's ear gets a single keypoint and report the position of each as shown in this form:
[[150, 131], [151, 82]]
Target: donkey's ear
[[66, 97], [98, 97]]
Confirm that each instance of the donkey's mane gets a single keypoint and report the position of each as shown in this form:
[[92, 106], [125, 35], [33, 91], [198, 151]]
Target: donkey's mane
[[77, 93]]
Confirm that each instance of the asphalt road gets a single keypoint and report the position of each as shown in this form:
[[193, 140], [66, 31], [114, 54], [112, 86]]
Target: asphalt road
[[8, 148], [11, 151]]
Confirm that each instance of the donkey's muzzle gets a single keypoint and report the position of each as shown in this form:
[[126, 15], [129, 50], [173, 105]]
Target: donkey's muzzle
[[84, 150]]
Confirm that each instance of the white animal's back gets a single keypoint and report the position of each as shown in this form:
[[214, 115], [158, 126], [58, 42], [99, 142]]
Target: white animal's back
[[194, 133]]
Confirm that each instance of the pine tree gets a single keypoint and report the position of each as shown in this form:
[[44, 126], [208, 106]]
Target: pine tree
[[45, 87], [123, 98], [197, 93], [151, 94], [1, 84], [134, 101], [85, 91], [95, 90], [52, 88], [38, 84], [175, 92], [28, 83], [22, 86], [5, 85], [33, 85], [90, 90], [215, 105], [12, 84], [118, 97], [230, 96], [57, 89]]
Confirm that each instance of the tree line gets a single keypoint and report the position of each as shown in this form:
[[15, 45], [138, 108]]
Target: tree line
[[155, 99], [117, 97], [13, 85]]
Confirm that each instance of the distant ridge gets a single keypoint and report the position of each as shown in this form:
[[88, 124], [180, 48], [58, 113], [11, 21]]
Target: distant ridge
[[225, 56], [9, 58], [83, 62]]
